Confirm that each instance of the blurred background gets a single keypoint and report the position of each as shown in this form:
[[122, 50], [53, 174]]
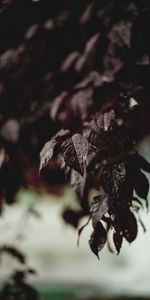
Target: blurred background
[[60, 61]]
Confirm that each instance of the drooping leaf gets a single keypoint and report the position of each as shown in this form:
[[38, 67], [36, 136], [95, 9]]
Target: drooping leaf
[[99, 207], [130, 227], [142, 162], [98, 239], [117, 238], [79, 183], [82, 187], [140, 183], [113, 178], [47, 152], [74, 151]]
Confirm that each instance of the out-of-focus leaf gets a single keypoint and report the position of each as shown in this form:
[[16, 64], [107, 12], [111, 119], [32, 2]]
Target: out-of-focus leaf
[[13, 252], [16, 288], [2, 156], [72, 216]]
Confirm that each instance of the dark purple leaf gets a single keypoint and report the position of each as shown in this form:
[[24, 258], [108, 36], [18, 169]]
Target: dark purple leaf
[[140, 184], [109, 118], [113, 178], [117, 238], [142, 163], [130, 228], [74, 151], [102, 122], [82, 187], [99, 125], [79, 183], [98, 239], [93, 137], [72, 217], [99, 207], [48, 150]]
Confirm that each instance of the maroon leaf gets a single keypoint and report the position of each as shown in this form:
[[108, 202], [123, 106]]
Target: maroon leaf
[[130, 228], [74, 151], [82, 187], [93, 137], [117, 238], [113, 177], [48, 150], [98, 239], [140, 184], [143, 164], [109, 120], [72, 217], [79, 183], [102, 122], [99, 207]]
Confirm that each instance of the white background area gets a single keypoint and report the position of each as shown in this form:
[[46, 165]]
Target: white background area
[[51, 248]]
